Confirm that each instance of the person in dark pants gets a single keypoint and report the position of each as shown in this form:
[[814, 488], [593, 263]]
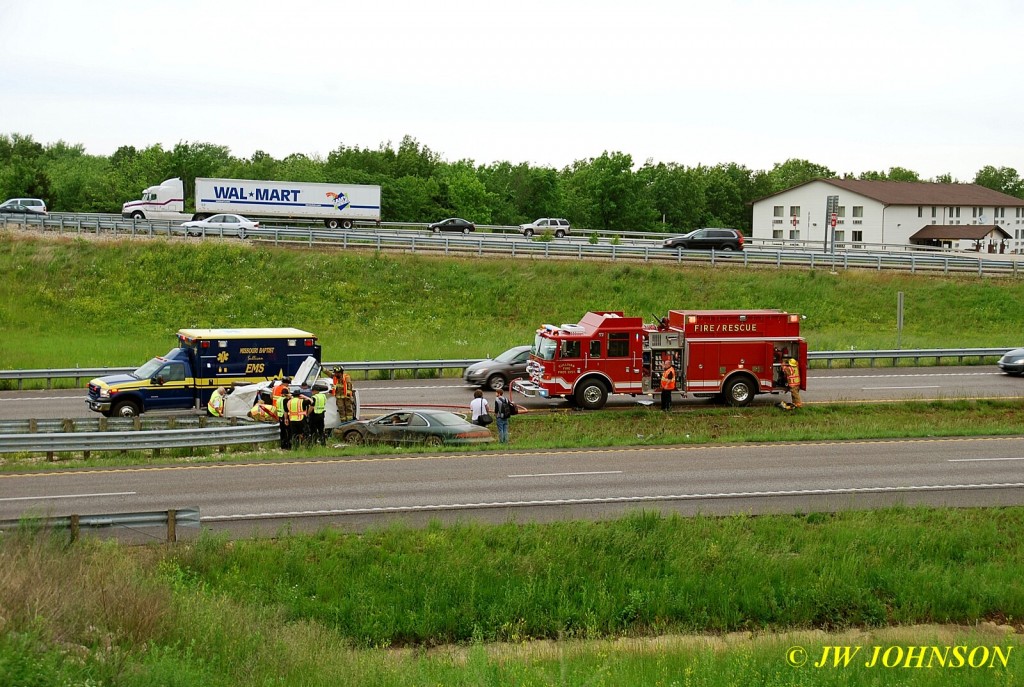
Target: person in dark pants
[[281, 408], [668, 383], [298, 411], [316, 418]]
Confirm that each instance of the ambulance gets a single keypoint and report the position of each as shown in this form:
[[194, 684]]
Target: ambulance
[[203, 360]]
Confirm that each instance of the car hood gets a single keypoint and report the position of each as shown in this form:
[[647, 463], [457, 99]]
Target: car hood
[[114, 380], [482, 365], [1015, 353]]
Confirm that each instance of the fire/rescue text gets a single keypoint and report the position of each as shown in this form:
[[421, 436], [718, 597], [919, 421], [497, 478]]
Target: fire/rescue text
[[711, 328]]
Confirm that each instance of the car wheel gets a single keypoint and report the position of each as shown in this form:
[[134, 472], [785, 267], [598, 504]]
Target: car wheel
[[559, 234], [497, 382], [434, 440], [437, 230], [591, 395], [353, 436], [726, 248], [739, 392], [332, 223], [528, 233], [125, 409], [465, 230], [346, 224], [137, 215], [241, 234]]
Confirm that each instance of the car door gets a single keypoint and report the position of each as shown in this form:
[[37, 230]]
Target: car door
[[518, 365], [169, 388]]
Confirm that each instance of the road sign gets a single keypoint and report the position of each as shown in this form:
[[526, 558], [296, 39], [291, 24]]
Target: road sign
[[795, 222], [833, 219]]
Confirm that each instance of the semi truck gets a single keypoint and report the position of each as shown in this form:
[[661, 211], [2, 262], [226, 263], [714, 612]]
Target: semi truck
[[337, 205], [731, 355], [203, 360]]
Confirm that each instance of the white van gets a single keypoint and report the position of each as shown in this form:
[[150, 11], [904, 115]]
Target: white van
[[33, 204]]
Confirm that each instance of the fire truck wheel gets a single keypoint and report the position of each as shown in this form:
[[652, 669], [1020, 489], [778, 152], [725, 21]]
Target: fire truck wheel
[[739, 392], [496, 381], [591, 395]]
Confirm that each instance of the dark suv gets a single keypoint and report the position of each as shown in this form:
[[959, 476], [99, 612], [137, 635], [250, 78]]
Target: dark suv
[[706, 239]]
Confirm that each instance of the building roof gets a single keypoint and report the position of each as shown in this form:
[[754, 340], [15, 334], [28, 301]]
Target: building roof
[[921, 193], [974, 232]]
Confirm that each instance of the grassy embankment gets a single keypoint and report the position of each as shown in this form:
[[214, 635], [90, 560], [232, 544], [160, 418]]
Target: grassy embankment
[[337, 609], [67, 302]]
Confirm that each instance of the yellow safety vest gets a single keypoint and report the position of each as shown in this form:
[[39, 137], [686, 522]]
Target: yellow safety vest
[[296, 413], [792, 370], [320, 403], [216, 404]]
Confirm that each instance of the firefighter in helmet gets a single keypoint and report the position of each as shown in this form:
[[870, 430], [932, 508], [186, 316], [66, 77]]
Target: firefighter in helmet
[[344, 393], [791, 368]]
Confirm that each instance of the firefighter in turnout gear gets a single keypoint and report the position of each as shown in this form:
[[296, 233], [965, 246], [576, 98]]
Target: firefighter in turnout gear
[[344, 394], [791, 369]]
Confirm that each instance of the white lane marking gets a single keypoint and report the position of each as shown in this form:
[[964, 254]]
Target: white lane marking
[[608, 499], [570, 474], [22, 399], [979, 460], [67, 496], [924, 374], [880, 388]]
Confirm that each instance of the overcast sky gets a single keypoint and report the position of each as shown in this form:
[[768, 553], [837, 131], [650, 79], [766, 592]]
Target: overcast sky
[[931, 85]]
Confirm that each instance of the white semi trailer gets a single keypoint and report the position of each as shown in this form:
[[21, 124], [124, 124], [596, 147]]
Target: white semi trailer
[[337, 205]]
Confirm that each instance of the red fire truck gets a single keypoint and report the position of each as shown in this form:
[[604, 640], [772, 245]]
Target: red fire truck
[[729, 354]]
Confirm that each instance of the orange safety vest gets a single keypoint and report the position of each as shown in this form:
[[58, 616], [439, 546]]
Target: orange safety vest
[[792, 371], [296, 413], [668, 379]]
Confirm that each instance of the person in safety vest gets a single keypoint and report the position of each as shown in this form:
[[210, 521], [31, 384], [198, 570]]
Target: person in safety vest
[[280, 408], [216, 405], [668, 383], [316, 418], [298, 410], [792, 371], [344, 394]]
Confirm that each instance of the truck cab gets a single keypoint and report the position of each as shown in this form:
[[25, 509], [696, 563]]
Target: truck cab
[[164, 201]]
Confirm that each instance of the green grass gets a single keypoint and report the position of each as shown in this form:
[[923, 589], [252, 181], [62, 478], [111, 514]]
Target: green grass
[[725, 597], [69, 302]]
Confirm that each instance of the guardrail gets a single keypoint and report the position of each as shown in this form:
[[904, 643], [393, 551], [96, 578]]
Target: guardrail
[[415, 366], [186, 517], [85, 442], [500, 244], [917, 355]]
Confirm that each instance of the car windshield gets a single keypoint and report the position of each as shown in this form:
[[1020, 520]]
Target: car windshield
[[545, 348], [150, 368], [508, 356]]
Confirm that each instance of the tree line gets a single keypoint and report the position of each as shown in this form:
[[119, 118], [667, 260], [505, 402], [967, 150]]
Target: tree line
[[607, 192]]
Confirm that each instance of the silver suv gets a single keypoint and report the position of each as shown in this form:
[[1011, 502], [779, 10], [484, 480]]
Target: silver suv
[[559, 227]]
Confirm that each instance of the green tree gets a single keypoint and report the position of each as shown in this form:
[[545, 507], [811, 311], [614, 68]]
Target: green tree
[[603, 192], [794, 172], [1002, 179]]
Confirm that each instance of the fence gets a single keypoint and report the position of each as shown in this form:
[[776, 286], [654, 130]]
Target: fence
[[186, 517]]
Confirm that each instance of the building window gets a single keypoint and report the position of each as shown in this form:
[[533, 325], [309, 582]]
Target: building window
[[999, 212], [858, 210], [920, 211], [794, 210], [776, 233], [840, 235], [794, 234], [953, 212], [842, 211], [858, 235], [778, 211], [933, 212]]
